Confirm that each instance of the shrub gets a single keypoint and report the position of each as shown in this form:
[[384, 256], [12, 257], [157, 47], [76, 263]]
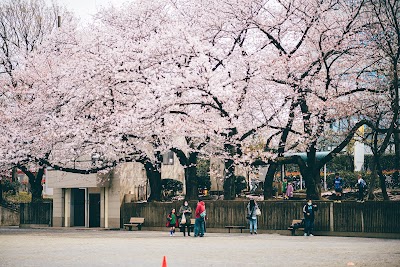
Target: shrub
[[203, 174], [11, 187], [387, 162], [22, 197], [342, 163], [170, 187]]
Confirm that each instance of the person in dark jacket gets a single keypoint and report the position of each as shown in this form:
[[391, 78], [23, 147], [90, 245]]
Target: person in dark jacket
[[338, 184], [309, 210], [186, 211], [361, 184]]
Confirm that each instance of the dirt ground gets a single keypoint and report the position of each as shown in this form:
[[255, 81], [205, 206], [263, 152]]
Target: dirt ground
[[73, 247]]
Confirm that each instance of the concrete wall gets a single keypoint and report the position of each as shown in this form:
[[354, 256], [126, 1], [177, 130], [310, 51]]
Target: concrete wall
[[175, 171], [217, 174], [129, 176], [58, 207], [126, 178], [114, 206], [59, 179], [8, 217]]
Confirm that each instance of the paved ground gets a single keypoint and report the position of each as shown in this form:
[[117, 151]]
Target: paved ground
[[71, 247]]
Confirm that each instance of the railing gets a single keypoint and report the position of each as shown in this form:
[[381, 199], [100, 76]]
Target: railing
[[372, 217], [36, 213]]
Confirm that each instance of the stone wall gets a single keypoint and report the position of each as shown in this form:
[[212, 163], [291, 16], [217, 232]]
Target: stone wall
[[8, 217]]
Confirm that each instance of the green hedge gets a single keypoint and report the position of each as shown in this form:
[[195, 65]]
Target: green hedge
[[11, 187], [203, 174], [342, 163], [387, 162]]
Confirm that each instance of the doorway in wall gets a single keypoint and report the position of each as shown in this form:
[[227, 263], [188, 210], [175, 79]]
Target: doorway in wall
[[78, 207], [94, 210]]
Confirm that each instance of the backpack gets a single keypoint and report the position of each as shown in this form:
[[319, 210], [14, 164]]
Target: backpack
[[363, 183]]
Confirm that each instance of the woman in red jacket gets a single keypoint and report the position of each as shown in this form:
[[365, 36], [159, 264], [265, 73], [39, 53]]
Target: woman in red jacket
[[200, 216]]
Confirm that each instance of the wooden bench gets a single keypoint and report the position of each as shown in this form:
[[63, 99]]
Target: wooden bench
[[135, 221], [241, 227], [192, 222], [296, 225]]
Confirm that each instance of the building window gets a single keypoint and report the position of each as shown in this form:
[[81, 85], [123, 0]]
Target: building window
[[168, 158]]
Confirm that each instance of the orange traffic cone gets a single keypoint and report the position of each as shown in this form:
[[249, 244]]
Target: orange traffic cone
[[164, 262]]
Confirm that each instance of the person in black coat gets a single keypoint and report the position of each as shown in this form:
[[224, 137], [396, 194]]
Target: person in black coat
[[309, 210]]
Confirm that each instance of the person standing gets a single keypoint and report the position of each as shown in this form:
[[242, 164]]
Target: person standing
[[284, 187], [252, 216], [172, 222], [361, 184], [200, 217], [289, 191], [338, 183], [185, 211], [309, 215]]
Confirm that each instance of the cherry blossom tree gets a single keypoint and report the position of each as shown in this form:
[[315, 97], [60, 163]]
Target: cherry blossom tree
[[312, 49], [24, 25], [382, 34], [221, 75]]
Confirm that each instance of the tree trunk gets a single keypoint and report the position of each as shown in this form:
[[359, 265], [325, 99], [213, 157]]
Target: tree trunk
[[350, 159], [396, 174], [397, 150], [229, 182], [313, 185], [154, 176], [1, 190], [372, 182], [191, 181], [190, 166], [312, 176], [36, 186], [382, 179], [14, 174], [269, 179], [35, 182]]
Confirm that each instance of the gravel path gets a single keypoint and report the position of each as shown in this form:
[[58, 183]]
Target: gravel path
[[72, 247]]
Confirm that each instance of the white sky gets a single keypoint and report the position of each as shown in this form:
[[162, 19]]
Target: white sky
[[85, 8]]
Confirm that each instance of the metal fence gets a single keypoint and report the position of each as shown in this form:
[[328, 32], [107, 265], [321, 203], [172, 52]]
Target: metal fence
[[372, 217], [36, 213]]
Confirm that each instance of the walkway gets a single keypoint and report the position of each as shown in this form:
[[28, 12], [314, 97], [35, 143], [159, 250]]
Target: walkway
[[71, 247]]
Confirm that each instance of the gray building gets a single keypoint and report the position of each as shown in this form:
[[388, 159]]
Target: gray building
[[94, 200]]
